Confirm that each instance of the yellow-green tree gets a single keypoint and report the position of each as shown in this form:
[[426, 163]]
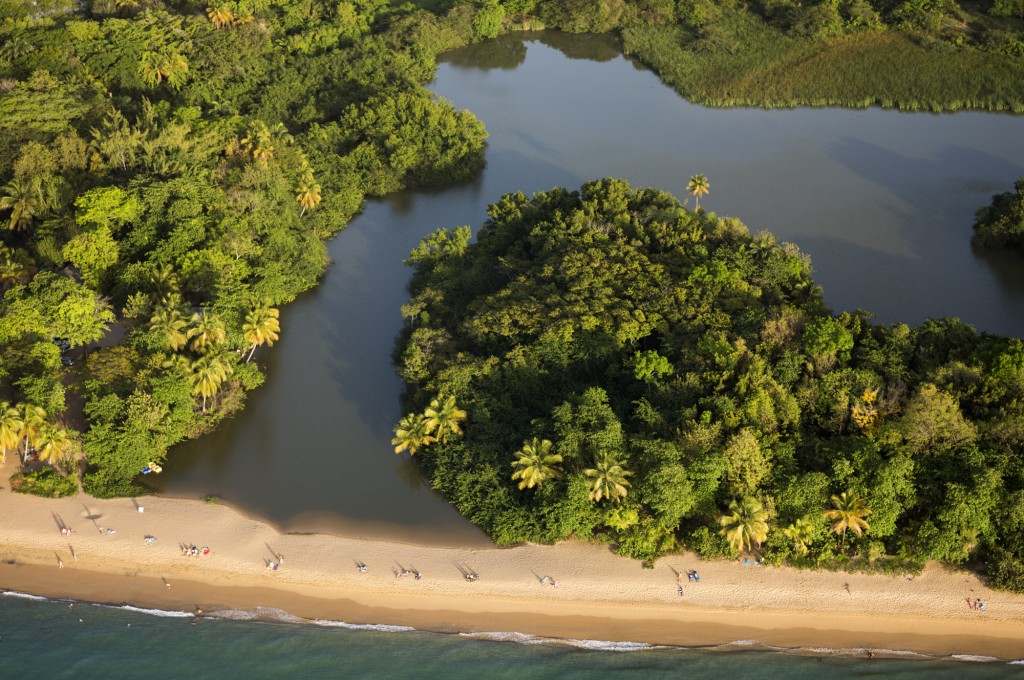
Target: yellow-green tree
[[443, 418], [608, 478], [746, 524], [261, 327], [697, 187], [535, 464], [411, 434], [11, 425], [848, 512]]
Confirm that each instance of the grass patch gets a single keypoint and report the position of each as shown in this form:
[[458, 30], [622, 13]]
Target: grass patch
[[741, 61]]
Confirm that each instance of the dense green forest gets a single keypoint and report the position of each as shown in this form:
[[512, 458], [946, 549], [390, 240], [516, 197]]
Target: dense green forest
[[1001, 224], [170, 170], [605, 363]]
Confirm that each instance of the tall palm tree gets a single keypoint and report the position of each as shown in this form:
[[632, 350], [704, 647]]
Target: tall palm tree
[[11, 426], [698, 187], [261, 327], [308, 195], [848, 511], [536, 464], [801, 532], [207, 332], [608, 479], [169, 322], [746, 525], [412, 433], [53, 444], [442, 418], [33, 418], [208, 373]]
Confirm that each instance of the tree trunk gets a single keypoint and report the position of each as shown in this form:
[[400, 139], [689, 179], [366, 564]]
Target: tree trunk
[[251, 352]]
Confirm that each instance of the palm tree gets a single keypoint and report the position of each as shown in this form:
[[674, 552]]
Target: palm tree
[[697, 187], [26, 198], [536, 464], [608, 479], [221, 15], [164, 282], [307, 194], [155, 67], [12, 270], [412, 433], [261, 327], [261, 139], [11, 426], [208, 373], [33, 418], [169, 322], [849, 511], [207, 331], [442, 417], [801, 532], [53, 444], [746, 525]]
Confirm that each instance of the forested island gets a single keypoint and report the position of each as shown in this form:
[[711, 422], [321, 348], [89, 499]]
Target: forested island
[[605, 363], [170, 171]]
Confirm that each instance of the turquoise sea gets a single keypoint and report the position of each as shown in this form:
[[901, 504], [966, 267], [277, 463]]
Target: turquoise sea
[[58, 639]]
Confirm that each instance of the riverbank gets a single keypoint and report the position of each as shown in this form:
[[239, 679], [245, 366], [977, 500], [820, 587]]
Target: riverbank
[[599, 596]]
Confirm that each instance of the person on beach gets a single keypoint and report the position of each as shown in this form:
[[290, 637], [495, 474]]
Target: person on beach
[[362, 567], [416, 574], [681, 591]]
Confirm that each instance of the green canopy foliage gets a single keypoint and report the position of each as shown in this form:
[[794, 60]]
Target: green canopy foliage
[[680, 367]]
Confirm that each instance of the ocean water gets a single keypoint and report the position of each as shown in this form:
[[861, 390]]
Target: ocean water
[[57, 639]]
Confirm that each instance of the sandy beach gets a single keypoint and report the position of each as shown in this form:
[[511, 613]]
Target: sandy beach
[[599, 596]]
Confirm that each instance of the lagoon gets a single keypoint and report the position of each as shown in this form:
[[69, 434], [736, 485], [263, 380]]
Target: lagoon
[[882, 201]]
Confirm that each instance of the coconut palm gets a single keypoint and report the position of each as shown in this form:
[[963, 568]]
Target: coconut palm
[[698, 187], [746, 525], [26, 198], [221, 15], [207, 331], [170, 323], [155, 67], [53, 444], [801, 532], [536, 464], [848, 511], [33, 418], [164, 282], [608, 478], [11, 426], [261, 327], [442, 418], [412, 433], [307, 194], [208, 373]]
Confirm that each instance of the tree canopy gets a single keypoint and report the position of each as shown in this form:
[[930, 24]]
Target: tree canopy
[[693, 390]]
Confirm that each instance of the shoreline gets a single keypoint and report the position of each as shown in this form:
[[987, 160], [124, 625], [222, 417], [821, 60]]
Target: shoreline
[[600, 596]]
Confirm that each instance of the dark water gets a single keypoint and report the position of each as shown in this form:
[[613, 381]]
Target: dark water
[[42, 639], [882, 201]]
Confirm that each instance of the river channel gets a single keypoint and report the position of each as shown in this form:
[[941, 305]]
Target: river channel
[[882, 201]]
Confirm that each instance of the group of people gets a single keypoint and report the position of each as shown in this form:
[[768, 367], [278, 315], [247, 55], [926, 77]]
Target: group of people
[[402, 571], [193, 551], [976, 603], [548, 581]]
